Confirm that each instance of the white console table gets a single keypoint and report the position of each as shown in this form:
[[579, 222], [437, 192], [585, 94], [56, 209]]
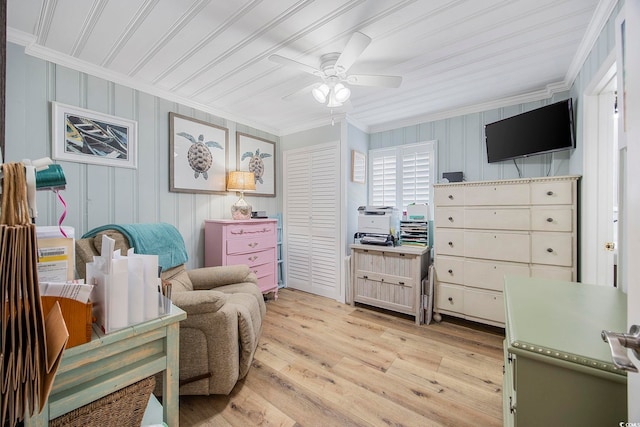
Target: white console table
[[116, 360]]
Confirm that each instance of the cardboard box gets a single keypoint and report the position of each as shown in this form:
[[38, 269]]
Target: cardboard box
[[77, 317]]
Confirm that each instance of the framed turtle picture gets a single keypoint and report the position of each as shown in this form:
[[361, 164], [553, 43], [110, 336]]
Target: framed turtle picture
[[198, 155], [258, 155]]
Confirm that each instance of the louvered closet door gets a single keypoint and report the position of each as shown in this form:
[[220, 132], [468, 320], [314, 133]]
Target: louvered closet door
[[312, 220]]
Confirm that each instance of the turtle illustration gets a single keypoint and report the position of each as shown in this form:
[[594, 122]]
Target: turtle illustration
[[199, 156], [256, 165]]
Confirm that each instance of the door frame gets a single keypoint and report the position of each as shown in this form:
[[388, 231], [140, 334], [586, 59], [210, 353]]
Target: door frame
[[596, 196]]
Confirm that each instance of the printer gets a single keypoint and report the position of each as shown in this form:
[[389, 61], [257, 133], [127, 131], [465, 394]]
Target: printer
[[377, 225]]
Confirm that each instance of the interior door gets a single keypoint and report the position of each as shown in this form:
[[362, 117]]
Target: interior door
[[311, 219], [628, 35]]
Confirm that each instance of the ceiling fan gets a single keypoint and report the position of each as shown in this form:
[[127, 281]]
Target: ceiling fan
[[334, 69]]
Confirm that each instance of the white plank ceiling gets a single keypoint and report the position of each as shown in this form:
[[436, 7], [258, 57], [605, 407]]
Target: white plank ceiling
[[213, 54]]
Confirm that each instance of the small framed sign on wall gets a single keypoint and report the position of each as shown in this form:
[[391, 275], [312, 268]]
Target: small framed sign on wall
[[358, 167]]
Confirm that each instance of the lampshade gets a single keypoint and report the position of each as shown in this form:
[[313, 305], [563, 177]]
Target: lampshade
[[342, 92], [241, 181], [320, 93]]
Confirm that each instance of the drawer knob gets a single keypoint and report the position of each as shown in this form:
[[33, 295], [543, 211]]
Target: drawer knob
[[451, 218], [450, 196], [451, 244], [253, 244], [450, 299], [450, 271], [549, 193], [365, 277], [550, 250], [549, 219], [400, 283]]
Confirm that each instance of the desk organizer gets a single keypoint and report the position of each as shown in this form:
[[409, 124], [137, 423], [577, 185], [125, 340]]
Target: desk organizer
[[77, 317]]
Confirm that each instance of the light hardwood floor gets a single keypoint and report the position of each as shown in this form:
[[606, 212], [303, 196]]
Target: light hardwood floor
[[322, 363]]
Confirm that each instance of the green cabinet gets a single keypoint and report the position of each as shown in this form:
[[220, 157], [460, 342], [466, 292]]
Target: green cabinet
[[558, 371]]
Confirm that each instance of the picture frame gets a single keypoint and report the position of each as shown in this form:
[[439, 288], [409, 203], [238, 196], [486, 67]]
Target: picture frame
[[358, 167], [84, 136], [257, 155], [198, 155]]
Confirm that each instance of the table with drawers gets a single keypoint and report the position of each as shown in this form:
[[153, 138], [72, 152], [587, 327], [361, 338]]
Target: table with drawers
[[252, 242], [485, 230]]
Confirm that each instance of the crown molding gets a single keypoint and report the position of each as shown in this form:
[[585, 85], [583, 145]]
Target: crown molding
[[596, 25], [31, 48], [546, 93]]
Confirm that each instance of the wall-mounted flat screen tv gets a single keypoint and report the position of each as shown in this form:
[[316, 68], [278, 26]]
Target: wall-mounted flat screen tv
[[543, 130]]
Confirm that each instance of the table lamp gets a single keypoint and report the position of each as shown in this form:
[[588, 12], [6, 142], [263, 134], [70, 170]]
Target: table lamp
[[241, 181]]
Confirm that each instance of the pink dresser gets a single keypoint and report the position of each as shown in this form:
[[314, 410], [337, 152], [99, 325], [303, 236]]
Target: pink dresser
[[251, 242]]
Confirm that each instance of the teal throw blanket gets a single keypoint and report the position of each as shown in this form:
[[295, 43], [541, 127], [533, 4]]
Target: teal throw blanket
[[160, 239]]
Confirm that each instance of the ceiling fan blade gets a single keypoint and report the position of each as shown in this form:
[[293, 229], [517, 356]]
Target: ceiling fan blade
[[291, 63], [369, 80], [300, 92], [356, 45]]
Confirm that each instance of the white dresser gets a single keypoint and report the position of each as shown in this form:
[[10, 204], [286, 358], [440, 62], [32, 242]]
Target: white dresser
[[488, 229]]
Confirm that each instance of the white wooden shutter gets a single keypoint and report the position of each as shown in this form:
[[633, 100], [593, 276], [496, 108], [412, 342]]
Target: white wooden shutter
[[416, 176], [383, 169]]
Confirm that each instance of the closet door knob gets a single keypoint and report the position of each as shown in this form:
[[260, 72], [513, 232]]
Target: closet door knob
[[549, 219]]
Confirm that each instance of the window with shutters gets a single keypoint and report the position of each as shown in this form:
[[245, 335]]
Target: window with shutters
[[402, 175]]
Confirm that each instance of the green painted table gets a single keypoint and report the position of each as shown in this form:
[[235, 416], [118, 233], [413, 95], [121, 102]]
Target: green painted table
[[558, 371], [113, 361]]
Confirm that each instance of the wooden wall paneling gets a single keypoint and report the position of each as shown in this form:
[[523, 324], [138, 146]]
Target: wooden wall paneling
[[125, 105], [149, 182], [456, 145], [475, 151], [440, 134]]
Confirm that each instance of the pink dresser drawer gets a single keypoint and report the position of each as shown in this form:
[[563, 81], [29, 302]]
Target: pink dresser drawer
[[235, 231], [254, 258], [251, 244], [267, 283], [263, 270]]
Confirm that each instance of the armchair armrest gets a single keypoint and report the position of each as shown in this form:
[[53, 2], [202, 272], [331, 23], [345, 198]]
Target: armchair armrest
[[199, 302], [212, 277]]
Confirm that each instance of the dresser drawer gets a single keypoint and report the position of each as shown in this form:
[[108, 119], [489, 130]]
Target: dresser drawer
[[235, 231], [249, 244], [262, 270], [254, 258], [552, 193], [267, 283], [484, 305], [554, 273], [385, 294], [449, 195], [500, 194], [552, 249], [497, 219], [499, 245], [449, 217], [450, 269], [490, 274], [449, 242], [450, 297], [551, 219]]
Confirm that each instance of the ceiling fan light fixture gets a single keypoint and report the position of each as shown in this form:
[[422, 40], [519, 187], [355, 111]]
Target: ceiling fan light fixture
[[320, 93], [342, 93], [333, 102]]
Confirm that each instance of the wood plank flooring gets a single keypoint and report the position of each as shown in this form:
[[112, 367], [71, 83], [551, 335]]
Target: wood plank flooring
[[322, 363]]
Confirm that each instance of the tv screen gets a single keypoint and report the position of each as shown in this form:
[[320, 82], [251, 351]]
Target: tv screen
[[543, 130]]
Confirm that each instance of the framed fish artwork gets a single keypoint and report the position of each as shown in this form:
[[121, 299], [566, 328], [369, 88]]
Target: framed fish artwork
[[198, 155], [84, 136], [257, 155]]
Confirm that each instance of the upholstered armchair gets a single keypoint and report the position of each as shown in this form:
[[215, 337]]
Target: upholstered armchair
[[224, 309]]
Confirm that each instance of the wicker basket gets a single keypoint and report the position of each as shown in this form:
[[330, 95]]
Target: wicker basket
[[122, 408]]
